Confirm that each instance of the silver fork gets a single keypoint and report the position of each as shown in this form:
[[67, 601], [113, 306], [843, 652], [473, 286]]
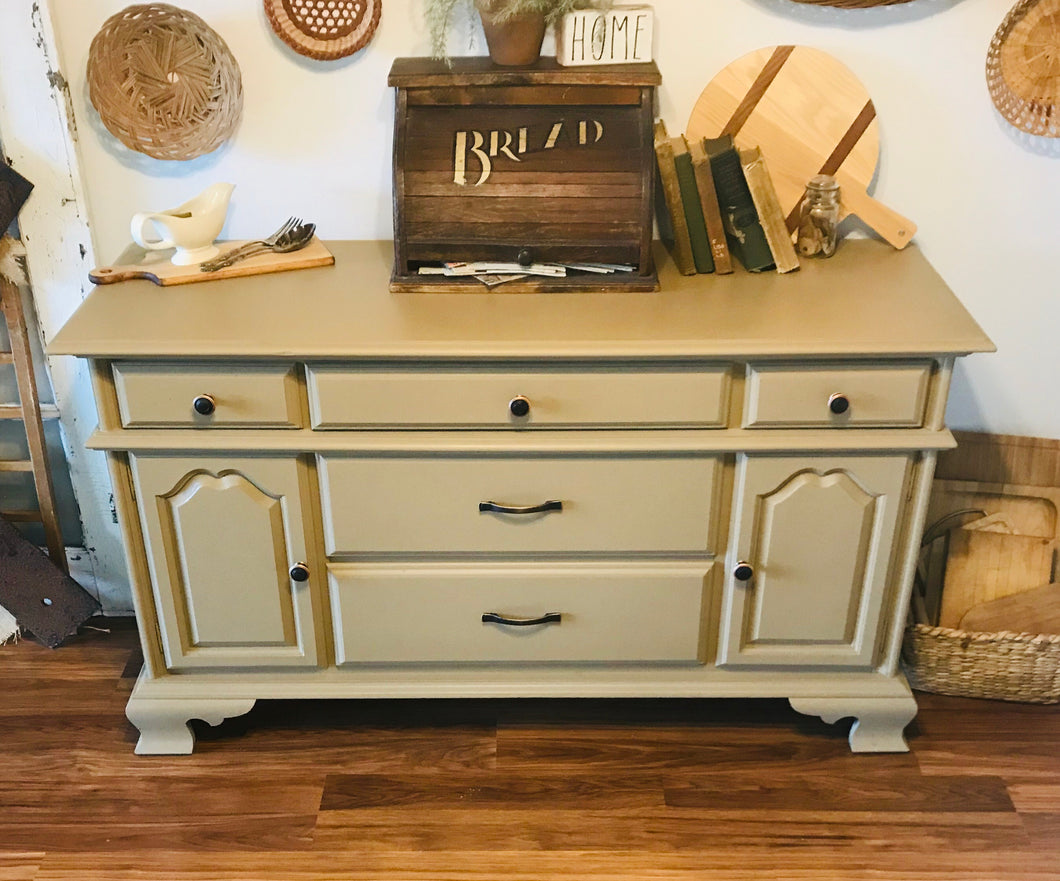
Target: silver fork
[[237, 253], [292, 240]]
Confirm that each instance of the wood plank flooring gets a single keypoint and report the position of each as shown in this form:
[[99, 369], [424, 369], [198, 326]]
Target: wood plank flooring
[[505, 790]]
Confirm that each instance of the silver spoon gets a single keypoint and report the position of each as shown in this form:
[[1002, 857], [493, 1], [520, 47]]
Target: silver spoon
[[292, 240]]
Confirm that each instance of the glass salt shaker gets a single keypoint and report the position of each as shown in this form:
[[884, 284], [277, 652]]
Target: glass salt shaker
[[819, 217]]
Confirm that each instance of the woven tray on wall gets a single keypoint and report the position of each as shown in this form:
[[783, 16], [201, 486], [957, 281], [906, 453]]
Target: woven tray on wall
[[324, 29], [164, 82], [852, 4], [1023, 67]]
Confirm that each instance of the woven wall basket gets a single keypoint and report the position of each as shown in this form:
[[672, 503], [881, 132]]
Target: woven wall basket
[[324, 29], [1023, 67], [852, 4], [164, 83]]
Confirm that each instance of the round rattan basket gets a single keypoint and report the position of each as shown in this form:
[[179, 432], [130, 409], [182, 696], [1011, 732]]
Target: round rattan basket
[[1023, 67], [852, 4], [1022, 667], [324, 29], [164, 82]]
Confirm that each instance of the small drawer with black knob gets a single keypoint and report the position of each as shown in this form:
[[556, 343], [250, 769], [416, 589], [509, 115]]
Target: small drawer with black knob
[[546, 613], [168, 395], [837, 395], [518, 396]]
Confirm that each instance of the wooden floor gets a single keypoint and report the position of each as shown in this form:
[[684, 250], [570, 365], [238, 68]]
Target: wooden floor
[[491, 791]]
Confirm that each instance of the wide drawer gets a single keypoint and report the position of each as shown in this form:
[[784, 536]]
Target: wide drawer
[[402, 614], [594, 503], [168, 395], [837, 395], [341, 397]]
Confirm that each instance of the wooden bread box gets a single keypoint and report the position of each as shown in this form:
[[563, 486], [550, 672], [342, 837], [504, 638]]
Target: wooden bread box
[[539, 164]]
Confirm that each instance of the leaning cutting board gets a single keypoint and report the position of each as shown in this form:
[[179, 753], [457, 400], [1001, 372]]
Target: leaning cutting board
[[135, 262], [1031, 611], [810, 115]]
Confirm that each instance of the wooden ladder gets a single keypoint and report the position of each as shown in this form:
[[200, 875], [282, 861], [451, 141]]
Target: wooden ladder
[[30, 411]]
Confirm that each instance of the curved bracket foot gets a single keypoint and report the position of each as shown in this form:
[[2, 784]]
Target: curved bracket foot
[[164, 722], [879, 723]]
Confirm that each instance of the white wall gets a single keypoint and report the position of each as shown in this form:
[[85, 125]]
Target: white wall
[[315, 140]]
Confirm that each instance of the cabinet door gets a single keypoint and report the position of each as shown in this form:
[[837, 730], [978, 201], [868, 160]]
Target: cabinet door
[[818, 534], [222, 536]]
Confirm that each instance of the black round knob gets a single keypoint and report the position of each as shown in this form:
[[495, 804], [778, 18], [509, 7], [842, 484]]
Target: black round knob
[[204, 405], [299, 572], [743, 572], [838, 404], [519, 406], [525, 257]]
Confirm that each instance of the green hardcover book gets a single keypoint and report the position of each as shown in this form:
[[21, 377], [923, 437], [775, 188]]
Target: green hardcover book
[[747, 240], [697, 226], [770, 215]]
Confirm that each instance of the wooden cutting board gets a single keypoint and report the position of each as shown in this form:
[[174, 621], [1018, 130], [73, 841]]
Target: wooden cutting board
[[983, 566], [136, 262], [1030, 611], [810, 115]]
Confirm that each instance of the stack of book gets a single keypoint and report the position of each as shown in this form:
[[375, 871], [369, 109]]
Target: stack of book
[[716, 202]]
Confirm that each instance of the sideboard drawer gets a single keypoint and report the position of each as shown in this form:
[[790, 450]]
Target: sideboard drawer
[[432, 504], [836, 395], [401, 614], [585, 396], [168, 395]]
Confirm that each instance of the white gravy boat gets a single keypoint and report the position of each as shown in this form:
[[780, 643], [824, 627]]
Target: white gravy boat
[[190, 228]]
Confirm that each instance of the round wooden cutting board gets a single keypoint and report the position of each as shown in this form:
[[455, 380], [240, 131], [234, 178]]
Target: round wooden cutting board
[[810, 115]]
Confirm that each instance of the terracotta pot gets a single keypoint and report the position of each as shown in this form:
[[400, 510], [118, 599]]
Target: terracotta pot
[[514, 42]]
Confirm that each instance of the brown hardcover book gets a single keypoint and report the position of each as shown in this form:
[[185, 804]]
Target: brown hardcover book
[[674, 207], [708, 201], [764, 195]]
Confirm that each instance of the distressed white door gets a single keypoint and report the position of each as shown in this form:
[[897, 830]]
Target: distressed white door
[[809, 557], [40, 139], [223, 536]]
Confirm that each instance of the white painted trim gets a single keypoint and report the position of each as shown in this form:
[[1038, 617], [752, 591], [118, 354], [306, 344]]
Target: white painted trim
[[40, 139]]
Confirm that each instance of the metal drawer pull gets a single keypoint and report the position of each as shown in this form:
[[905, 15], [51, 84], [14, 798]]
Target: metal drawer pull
[[550, 505], [547, 618]]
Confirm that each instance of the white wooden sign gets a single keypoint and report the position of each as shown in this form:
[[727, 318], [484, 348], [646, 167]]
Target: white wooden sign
[[619, 35]]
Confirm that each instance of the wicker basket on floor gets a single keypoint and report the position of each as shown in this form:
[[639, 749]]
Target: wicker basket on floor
[[1021, 667]]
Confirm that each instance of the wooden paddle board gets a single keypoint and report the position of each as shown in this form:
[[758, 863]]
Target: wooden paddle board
[[810, 115], [136, 262]]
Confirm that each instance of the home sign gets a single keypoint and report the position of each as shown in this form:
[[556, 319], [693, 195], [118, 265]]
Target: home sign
[[540, 164], [619, 35]]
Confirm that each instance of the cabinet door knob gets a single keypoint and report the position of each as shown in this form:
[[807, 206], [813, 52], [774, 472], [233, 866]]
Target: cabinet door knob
[[519, 406], [744, 571], [204, 405], [838, 403], [299, 572]]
